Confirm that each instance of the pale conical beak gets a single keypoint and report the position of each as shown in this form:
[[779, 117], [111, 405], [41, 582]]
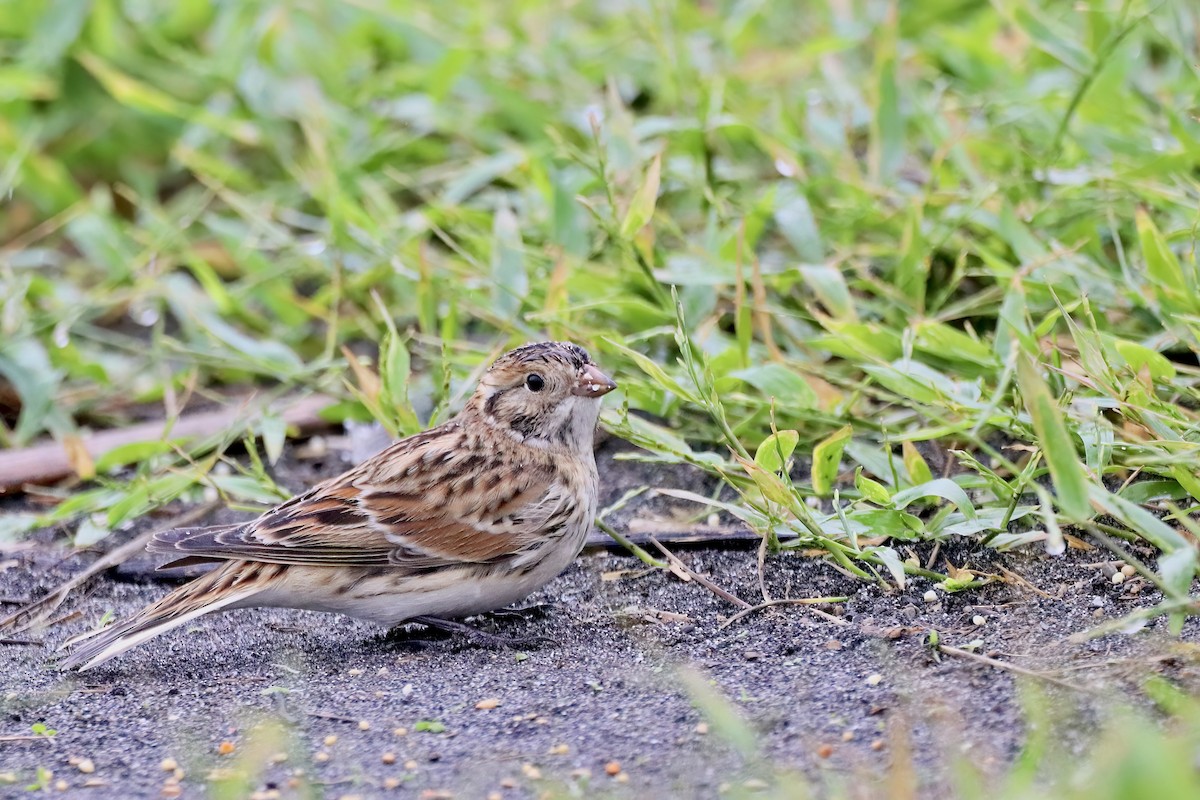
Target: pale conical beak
[[593, 383]]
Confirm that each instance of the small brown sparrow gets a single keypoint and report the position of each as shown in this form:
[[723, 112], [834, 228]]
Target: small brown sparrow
[[464, 518]]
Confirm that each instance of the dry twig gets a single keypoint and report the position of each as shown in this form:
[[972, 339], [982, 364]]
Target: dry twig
[[697, 577]]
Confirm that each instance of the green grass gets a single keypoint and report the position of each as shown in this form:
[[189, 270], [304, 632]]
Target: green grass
[[962, 228]]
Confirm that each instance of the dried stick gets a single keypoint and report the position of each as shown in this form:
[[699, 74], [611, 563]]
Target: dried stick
[[1002, 665], [792, 601], [697, 577], [48, 462]]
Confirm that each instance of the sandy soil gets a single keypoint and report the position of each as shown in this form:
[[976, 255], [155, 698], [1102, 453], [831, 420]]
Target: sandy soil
[[625, 682]]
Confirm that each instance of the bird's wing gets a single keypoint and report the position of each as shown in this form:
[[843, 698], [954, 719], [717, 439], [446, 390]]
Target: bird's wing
[[420, 506]]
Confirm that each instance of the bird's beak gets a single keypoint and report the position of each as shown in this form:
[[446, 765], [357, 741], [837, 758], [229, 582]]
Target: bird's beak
[[593, 383]]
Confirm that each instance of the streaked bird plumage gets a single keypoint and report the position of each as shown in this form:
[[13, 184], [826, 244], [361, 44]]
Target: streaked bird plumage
[[467, 517]]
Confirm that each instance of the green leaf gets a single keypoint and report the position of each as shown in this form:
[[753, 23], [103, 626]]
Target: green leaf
[[641, 209], [942, 487], [1188, 479], [1139, 357], [827, 459], [1162, 266], [429, 726], [660, 376], [273, 430], [794, 216], [1051, 39], [90, 531], [777, 381], [871, 490], [1070, 482], [13, 526], [510, 282], [1178, 568], [829, 285], [132, 453], [895, 565], [774, 452], [1139, 520]]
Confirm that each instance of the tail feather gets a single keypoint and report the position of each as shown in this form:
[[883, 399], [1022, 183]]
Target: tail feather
[[232, 585]]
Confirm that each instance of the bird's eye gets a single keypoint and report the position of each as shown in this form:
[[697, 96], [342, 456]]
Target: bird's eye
[[535, 382]]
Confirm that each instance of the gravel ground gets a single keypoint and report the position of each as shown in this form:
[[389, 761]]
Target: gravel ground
[[618, 699]]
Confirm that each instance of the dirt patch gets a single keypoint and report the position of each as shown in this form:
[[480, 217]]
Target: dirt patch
[[831, 699]]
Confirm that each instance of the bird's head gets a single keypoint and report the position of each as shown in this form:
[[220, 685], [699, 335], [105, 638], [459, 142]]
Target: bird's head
[[545, 394]]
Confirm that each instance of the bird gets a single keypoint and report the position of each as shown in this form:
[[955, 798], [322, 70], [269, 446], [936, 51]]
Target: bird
[[467, 517]]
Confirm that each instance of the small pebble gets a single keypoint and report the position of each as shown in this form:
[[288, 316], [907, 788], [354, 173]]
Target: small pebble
[[877, 744], [1128, 571], [363, 725], [400, 731], [508, 783], [174, 790], [61, 785], [410, 765], [621, 777], [825, 751], [382, 671], [702, 728], [495, 796], [321, 757], [978, 620], [612, 768], [847, 736], [168, 765], [330, 740], [279, 758], [388, 758], [560, 750], [874, 679], [531, 772], [391, 783], [833, 644], [931, 596], [487, 703], [581, 774], [225, 747], [354, 673], [86, 766], [1118, 577]]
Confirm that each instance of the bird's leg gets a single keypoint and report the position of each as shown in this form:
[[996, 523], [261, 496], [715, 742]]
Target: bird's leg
[[478, 636]]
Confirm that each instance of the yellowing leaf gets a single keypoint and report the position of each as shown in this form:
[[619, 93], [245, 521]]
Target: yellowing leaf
[[916, 467], [641, 209], [78, 457], [827, 459], [776, 449]]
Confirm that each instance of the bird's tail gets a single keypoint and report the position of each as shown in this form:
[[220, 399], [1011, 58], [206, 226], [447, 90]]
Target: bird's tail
[[233, 584]]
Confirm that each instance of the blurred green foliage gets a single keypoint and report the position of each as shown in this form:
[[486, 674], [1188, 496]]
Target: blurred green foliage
[[840, 228]]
